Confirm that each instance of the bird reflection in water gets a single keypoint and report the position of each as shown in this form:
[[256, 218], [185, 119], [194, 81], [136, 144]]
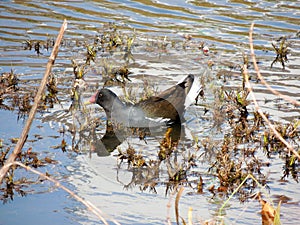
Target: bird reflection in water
[[169, 135]]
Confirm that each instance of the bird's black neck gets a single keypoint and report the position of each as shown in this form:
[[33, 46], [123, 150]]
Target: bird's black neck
[[116, 106]]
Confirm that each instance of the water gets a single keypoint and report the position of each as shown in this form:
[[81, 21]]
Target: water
[[222, 26]]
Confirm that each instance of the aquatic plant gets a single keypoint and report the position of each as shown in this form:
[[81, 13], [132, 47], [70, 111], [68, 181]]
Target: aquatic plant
[[281, 50]]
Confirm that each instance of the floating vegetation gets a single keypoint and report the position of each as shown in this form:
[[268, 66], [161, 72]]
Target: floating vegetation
[[90, 54], [23, 103], [14, 184], [115, 76], [39, 45], [50, 98], [135, 160], [8, 85], [8, 82], [281, 50]]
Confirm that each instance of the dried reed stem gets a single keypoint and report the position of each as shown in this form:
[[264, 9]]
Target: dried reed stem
[[177, 204], [24, 135], [258, 109], [97, 212], [262, 80]]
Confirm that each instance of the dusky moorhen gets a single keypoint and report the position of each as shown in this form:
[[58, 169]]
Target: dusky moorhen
[[167, 107]]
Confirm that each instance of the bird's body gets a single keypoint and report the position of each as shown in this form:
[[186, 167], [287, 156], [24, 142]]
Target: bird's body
[[168, 106]]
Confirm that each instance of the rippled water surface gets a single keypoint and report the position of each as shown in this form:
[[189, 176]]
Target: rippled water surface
[[223, 26]]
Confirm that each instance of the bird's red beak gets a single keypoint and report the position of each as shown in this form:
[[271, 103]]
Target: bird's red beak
[[92, 99]]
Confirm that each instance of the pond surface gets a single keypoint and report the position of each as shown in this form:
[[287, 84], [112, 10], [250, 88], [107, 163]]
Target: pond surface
[[162, 54]]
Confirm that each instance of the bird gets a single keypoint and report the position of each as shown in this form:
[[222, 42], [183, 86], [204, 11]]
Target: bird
[[165, 108]]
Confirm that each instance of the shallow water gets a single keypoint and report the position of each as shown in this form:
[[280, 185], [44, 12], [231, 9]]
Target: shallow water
[[222, 26]]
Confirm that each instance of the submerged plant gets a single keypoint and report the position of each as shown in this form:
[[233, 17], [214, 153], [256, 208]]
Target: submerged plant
[[91, 53], [39, 45], [281, 50], [51, 93], [13, 184]]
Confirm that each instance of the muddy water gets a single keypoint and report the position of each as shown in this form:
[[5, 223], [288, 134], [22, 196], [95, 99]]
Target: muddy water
[[222, 26]]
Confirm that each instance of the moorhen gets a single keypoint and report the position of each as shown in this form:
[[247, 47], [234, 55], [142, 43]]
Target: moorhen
[[167, 107]]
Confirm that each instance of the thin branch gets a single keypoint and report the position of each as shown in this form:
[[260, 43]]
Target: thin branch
[[258, 109], [88, 205], [177, 204], [262, 80], [169, 205], [24, 135]]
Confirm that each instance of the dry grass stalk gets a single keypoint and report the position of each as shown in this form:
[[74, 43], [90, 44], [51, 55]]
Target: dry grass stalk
[[177, 204], [258, 109], [262, 80], [23, 137], [97, 212]]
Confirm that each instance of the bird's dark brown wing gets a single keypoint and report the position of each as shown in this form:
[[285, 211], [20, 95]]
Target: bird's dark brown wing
[[169, 103], [158, 107]]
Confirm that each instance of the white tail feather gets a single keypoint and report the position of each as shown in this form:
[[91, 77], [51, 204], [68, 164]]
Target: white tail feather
[[193, 93]]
